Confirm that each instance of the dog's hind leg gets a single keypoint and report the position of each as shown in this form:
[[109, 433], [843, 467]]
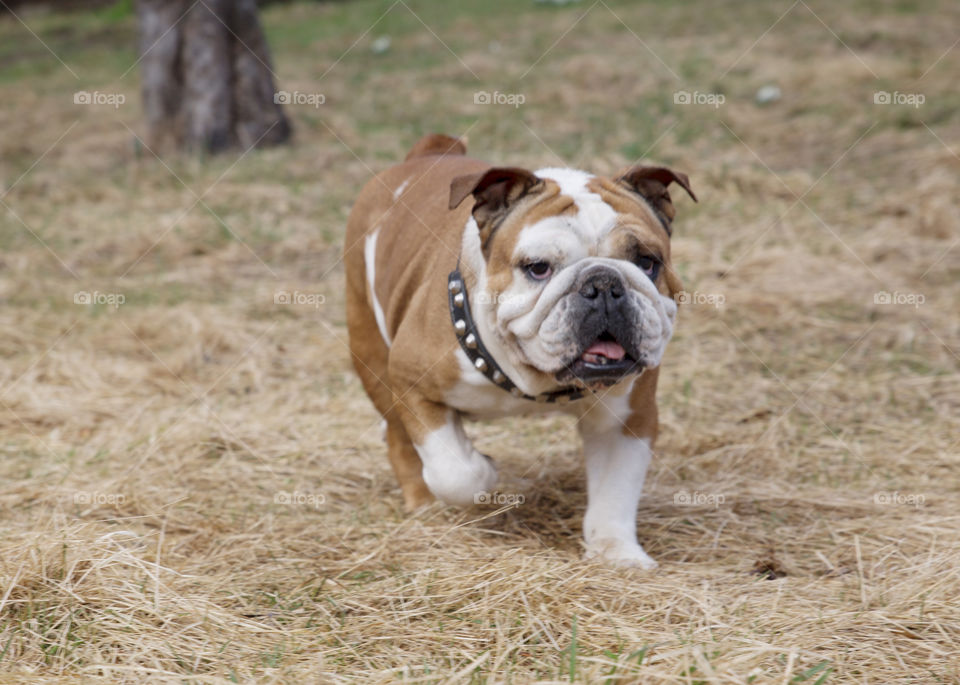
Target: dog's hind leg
[[370, 356], [406, 465]]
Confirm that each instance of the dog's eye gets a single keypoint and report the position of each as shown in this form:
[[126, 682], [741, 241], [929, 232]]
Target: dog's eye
[[649, 266], [538, 271]]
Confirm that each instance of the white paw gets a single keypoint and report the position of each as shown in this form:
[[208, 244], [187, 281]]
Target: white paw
[[619, 553], [458, 482]]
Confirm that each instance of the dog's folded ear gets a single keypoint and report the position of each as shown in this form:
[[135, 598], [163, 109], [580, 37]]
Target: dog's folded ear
[[494, 191], [496, 188], [651, 182]]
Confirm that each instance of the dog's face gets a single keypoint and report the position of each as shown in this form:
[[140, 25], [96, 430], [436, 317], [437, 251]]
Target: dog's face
[[577, 281]]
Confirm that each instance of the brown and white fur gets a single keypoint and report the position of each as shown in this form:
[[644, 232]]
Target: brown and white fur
[[407, 229]]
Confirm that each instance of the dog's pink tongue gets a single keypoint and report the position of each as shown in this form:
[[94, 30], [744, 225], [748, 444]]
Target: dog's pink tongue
[[606, 348]]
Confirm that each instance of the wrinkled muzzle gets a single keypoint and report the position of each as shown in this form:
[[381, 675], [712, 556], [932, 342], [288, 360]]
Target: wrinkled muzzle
[[609, 321]]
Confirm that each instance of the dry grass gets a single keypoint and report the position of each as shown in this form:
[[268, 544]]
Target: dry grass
[[145, 448]]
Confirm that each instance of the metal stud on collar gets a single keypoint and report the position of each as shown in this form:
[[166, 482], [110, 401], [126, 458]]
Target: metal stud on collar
[[469, 339]]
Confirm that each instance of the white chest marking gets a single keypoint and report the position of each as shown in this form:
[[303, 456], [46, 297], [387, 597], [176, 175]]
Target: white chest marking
[[477, 397]]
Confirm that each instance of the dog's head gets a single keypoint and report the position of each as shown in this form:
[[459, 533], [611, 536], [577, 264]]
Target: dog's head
[[573, 271]]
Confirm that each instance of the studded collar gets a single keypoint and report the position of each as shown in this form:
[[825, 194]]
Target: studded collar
[[469, 338]]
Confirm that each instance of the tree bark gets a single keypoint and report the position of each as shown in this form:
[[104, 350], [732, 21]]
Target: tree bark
[[207, 80]]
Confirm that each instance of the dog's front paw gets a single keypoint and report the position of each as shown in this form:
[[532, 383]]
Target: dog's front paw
[[619, 553], [461, 482]]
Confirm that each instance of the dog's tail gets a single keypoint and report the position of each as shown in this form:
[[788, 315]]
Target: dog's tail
[[437, 144]]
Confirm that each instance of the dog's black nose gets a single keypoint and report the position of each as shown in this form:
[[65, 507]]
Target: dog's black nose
[[605, 282]]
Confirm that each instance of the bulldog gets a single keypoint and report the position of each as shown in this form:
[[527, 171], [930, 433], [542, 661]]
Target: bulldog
[[476, 291]]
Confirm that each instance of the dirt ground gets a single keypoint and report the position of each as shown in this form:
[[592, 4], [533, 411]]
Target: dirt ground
[[193, 485]]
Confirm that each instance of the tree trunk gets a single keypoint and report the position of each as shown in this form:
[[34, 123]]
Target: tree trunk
[[207, 80]]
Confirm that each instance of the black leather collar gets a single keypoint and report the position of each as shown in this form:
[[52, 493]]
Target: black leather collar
[[469, 338]]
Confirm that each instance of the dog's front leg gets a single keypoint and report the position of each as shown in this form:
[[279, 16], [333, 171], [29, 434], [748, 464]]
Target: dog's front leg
[[616, 463], [454, 471]]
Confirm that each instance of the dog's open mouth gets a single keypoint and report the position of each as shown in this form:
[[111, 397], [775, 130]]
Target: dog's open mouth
[[603, 362]]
